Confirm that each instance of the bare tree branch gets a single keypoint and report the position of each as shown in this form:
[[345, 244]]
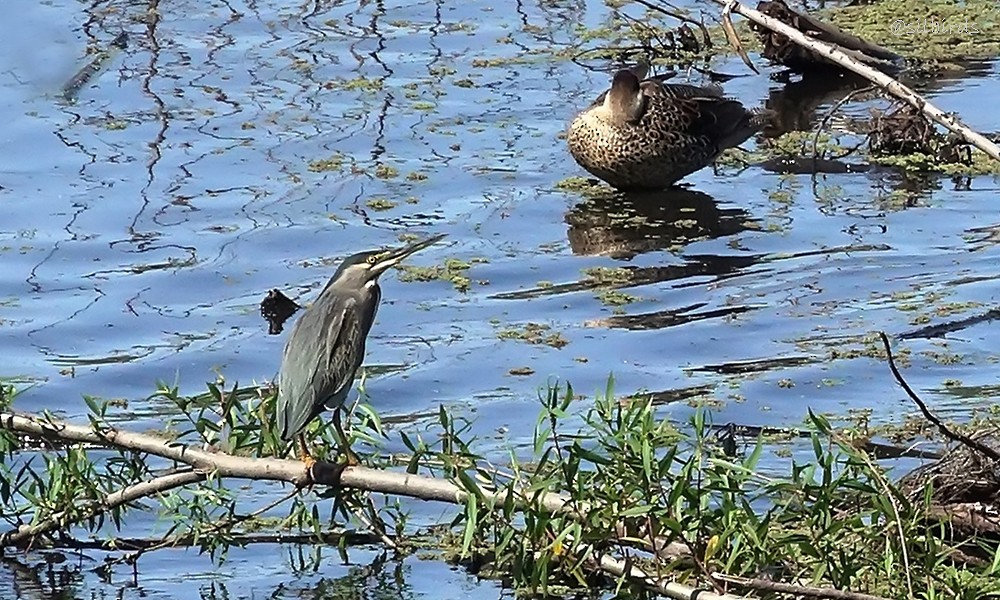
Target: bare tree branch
[[836, 55], [333, 537], [220, 464], [662, 586]]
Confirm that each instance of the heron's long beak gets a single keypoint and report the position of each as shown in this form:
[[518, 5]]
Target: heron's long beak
[[395, 256]]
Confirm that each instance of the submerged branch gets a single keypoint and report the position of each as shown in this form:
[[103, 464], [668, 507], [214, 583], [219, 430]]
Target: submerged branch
[[332, 538]]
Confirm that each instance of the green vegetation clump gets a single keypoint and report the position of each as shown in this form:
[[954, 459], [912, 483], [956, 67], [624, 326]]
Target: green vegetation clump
[[583, 186], [534, 333], [386, 172], [333, 163], [380, 204], [611, 297], [980, 164], [363, 84], [608, 275], [681, 502], [453, 270], [935, 30]]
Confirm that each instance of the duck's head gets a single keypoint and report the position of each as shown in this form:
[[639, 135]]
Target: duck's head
[[624, 102]]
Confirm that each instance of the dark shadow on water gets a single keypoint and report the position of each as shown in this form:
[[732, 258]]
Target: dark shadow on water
[[673, 317], [623, 225], [671, 396], [795, 104]]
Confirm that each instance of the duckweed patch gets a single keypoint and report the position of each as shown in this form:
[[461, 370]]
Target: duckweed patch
[[585, 186], [611, 297], [386, 172], [334, 163], [798, 144], [980, 164], [536, 334], [803, 143], [452, 270], [608, 275], [935, 30], [363, 84], [380, 204]]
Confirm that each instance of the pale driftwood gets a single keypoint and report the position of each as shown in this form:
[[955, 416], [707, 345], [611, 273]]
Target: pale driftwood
[[662, 586], [203, 463], [834, 54]]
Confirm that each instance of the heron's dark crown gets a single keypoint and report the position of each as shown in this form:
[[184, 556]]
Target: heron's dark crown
[[356, 259]]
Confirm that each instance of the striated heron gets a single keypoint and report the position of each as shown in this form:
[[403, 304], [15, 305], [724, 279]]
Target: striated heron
[[327, 344]]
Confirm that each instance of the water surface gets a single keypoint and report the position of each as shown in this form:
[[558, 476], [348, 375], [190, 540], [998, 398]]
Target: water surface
[[236, 147]]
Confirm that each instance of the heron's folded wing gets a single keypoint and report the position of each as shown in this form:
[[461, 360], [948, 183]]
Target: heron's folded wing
[[304, 380]]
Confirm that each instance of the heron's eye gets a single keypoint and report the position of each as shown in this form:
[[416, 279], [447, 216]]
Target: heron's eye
[[373, 259]]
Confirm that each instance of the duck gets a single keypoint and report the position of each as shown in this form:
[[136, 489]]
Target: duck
[[646, 134]]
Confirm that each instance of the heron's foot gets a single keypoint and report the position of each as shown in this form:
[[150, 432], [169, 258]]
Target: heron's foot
[[309, 461], [304, 454], [328, 473], [351, 459]]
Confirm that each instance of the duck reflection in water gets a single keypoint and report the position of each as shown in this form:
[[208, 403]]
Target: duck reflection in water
[[623, 225]]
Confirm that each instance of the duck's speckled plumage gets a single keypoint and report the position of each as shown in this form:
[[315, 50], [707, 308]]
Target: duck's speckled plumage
[[649, 134]]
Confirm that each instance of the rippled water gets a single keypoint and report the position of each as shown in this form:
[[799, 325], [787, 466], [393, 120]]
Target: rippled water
[[142, 224]]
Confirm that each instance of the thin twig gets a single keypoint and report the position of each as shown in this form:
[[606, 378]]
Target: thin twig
[[374, 523], [955, 436], [829, 114], [679, 16], [732, 37]]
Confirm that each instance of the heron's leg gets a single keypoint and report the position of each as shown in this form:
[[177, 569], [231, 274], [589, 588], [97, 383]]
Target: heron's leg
[[304, 455], [343, 441]]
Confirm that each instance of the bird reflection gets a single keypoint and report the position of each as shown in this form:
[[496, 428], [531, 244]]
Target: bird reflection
[[623, 225]]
